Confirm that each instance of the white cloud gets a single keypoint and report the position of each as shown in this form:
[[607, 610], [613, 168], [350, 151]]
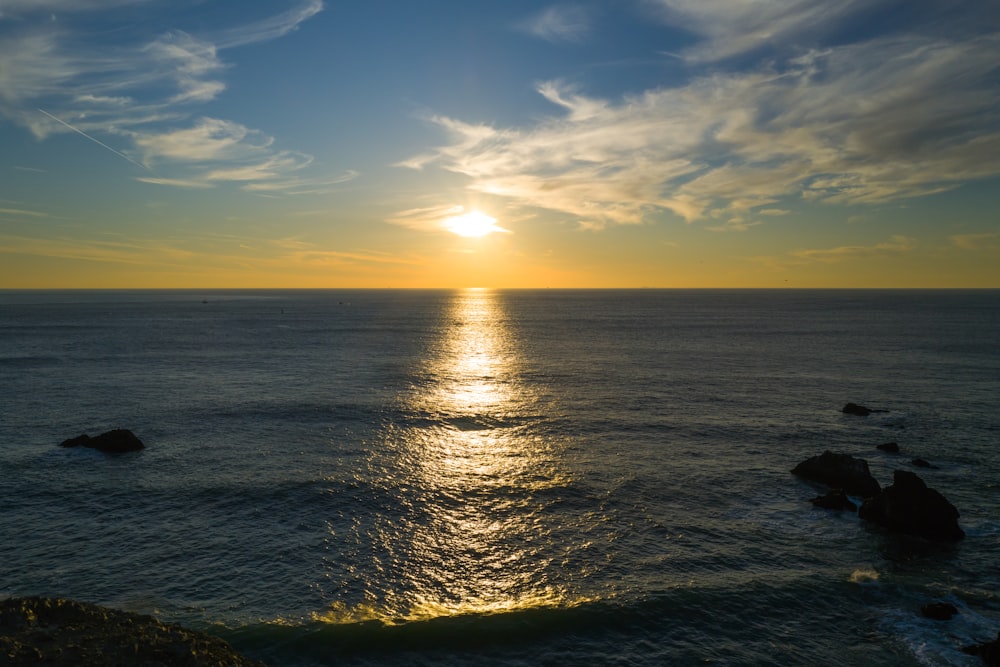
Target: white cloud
[[175, 182], [732, 27], [561, 23], [864, 123], [141, 92]]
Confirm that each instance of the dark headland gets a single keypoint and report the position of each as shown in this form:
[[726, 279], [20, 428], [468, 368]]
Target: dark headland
[[59, 633]]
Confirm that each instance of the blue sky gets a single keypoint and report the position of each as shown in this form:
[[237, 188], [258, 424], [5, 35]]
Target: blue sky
[[683, 143]]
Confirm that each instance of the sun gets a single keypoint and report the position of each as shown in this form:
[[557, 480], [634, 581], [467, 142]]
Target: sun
[[472, 224]]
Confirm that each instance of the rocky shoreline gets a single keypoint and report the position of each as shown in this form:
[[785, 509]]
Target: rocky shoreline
[[59, 632]]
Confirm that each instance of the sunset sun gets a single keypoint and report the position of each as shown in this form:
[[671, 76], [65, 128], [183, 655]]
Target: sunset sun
[[472, 224]]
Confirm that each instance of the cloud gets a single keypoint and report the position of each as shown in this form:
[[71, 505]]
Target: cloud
[[18, 212], [270, 28], [426, 219], [976, 241], [175, 182], [138, 96], [895, 246], [865, 123], [728, 28], [561, 23], [17, 8]]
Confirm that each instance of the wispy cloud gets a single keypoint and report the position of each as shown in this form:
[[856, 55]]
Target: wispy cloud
[[895, 246], [137, 99], [976, 241], [175, 182], [863, 123], [561, 23], [729, 28], [426, 219], [20, 212]]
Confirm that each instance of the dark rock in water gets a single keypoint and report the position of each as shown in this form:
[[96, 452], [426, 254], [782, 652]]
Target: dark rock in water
[[835, 499], [63, 633], [118, 441], [890, 447], [939, 611], [840, 471], [922, 463], [988, 652], [910, 506], [80, 440], [859, 410]]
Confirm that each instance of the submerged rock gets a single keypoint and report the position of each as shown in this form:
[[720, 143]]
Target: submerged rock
[[841, 471], [859, 410], [939, 611], [835, 499], [910, 506], [61, 633], [989, 651], [890, 447], [118, 441], [922, 463]]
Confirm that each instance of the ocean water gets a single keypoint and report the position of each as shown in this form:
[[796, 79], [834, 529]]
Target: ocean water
[[503, 477]]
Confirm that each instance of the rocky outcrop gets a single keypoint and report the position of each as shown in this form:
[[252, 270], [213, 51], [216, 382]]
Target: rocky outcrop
[[910, 506], [939, 611], [922, 463], [989, 651], [835, 499], [889, 447], [61, 633], [859, 410], [118, 441], [840, 471]]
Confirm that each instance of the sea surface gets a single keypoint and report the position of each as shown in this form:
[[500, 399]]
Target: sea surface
[[475, 477]]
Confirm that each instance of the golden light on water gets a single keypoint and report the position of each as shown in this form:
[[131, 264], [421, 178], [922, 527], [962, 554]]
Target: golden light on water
[[475, 552], [470, 537]]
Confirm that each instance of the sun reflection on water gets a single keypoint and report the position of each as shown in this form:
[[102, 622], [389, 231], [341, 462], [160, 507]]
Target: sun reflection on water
[[469, 535]]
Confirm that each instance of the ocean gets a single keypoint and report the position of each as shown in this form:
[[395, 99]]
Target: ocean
[[493, 477]]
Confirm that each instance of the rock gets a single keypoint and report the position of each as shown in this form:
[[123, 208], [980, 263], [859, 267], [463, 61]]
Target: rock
[[118, 441], [840, 471], [835, 499], [939, 611], [989, 652], [922, 463], [855, 409], [60, 633], [910, 506], [890, 447]]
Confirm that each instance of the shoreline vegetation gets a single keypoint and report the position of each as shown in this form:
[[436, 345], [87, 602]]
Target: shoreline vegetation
[[60, 632]]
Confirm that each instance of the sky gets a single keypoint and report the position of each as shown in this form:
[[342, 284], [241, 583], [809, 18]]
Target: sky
[[507, 144]]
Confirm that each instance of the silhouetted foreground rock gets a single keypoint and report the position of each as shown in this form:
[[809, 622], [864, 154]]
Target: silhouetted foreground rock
[[58, 633], [989, 652], [835, 499], [840, 471], [909, 506], [859, 410], [939, 611], [118, 441]]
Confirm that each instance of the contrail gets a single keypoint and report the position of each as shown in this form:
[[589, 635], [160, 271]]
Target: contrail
[[96, 141]]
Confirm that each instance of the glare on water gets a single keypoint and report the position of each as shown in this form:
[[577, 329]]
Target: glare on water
[[466, 536]]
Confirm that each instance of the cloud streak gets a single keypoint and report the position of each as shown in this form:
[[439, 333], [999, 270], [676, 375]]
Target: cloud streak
[[96, 141], [562, 23], [142, 92], [865, 123]]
